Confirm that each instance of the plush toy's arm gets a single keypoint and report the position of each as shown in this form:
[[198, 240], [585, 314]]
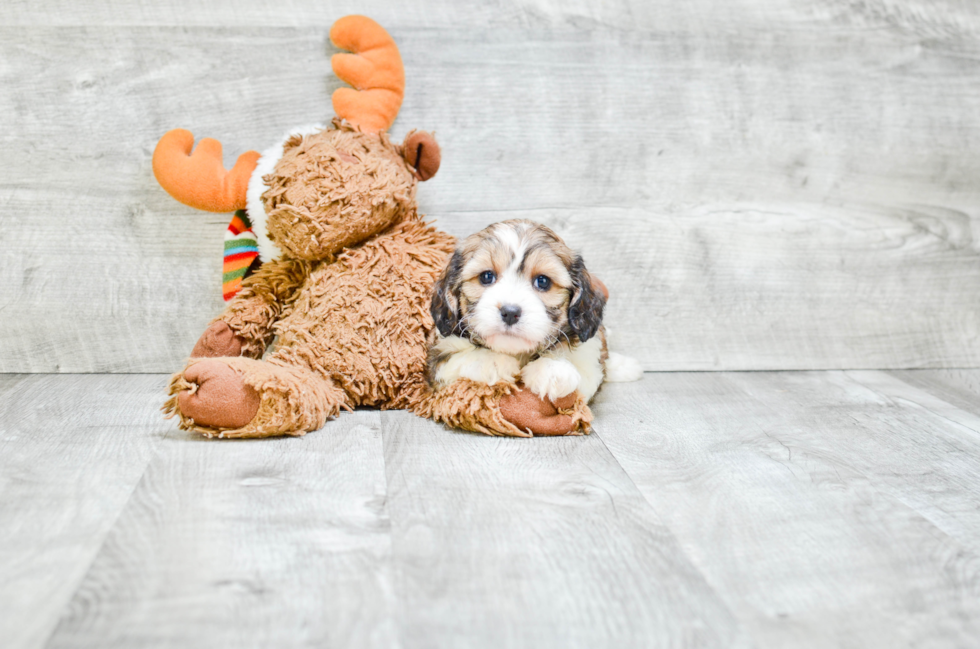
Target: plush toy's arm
[[506, 409], [246, 326], [473, 406]]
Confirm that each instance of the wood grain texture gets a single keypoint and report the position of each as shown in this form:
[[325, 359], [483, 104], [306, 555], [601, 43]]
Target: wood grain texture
[[944, 17], [762, 184], [72, 449], [263, 543], [961, 388], [501, 543], [766, 509], [827, 509]]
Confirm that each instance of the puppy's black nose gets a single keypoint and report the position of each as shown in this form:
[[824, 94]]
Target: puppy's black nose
[[511, 313]]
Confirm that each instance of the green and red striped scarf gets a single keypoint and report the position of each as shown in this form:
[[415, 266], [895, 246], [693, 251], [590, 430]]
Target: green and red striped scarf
[[241, 254]]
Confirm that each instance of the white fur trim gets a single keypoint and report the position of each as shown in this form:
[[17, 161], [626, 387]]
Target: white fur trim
[[256, 187], [622, 369]]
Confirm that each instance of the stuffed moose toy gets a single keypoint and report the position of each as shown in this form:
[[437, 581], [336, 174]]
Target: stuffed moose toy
[[328, 256]]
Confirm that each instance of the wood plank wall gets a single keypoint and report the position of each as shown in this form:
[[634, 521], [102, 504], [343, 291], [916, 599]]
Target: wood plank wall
[[763, 184]]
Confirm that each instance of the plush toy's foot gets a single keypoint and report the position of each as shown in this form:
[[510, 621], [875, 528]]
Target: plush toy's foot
[[219, 396], [242, 397], [217, 340], [568, 415]]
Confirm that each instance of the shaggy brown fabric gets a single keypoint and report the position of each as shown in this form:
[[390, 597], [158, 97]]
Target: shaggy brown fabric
[[315, 189], [266, 295], [217, 340], [472, 406], [363, 320]]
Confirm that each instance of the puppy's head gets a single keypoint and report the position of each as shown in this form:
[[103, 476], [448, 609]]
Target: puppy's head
[[516, 288]]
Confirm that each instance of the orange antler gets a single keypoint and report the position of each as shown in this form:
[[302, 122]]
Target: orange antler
[[374, 69], [200, 179]]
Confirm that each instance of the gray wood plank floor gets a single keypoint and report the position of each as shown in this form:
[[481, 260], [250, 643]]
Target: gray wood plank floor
[[764, 509]]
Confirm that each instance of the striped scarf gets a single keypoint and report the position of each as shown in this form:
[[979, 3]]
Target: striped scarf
[[241, 254]]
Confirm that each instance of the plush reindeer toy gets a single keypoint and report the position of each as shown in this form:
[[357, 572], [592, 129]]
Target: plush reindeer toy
[[327, 255]]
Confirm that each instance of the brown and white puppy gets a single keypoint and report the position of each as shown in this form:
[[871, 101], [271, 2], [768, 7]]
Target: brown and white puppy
[[516, 303]]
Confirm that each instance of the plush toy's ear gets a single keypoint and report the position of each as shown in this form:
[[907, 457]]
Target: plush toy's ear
[[585, 307], [445, 298], [422, 153], [374, 69]]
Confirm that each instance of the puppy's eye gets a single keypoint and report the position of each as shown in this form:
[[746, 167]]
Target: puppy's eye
[[488, 277], [542, 282]]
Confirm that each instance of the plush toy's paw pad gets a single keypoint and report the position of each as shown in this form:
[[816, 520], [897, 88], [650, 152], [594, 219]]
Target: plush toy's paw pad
[[566, 402], [551, 378], [528, 411], [221, 400], [217, 340]]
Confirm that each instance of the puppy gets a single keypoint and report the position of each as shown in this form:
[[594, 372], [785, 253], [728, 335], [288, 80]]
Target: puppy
[[516, 303]]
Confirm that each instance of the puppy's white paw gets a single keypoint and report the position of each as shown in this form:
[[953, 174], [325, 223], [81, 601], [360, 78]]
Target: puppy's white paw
[[551, 378], [485, 366]]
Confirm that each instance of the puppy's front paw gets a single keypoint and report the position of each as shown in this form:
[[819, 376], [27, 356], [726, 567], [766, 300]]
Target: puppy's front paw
[[490, 367], [551, 378]]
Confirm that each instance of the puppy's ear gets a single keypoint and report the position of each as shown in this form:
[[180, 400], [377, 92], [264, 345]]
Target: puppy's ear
[[445, 297], [585, 307]]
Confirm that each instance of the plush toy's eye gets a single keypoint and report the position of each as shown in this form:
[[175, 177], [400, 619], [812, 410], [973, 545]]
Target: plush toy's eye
[[542, 282], [488, 277]]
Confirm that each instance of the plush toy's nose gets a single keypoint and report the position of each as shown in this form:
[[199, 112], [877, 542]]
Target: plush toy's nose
[[510, 313]]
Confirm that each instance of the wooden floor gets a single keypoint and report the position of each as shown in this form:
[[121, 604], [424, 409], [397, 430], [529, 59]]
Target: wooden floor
[[766, 509]]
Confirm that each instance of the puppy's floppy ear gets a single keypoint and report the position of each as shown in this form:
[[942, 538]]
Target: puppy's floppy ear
[[445, 298], [585, 307]]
